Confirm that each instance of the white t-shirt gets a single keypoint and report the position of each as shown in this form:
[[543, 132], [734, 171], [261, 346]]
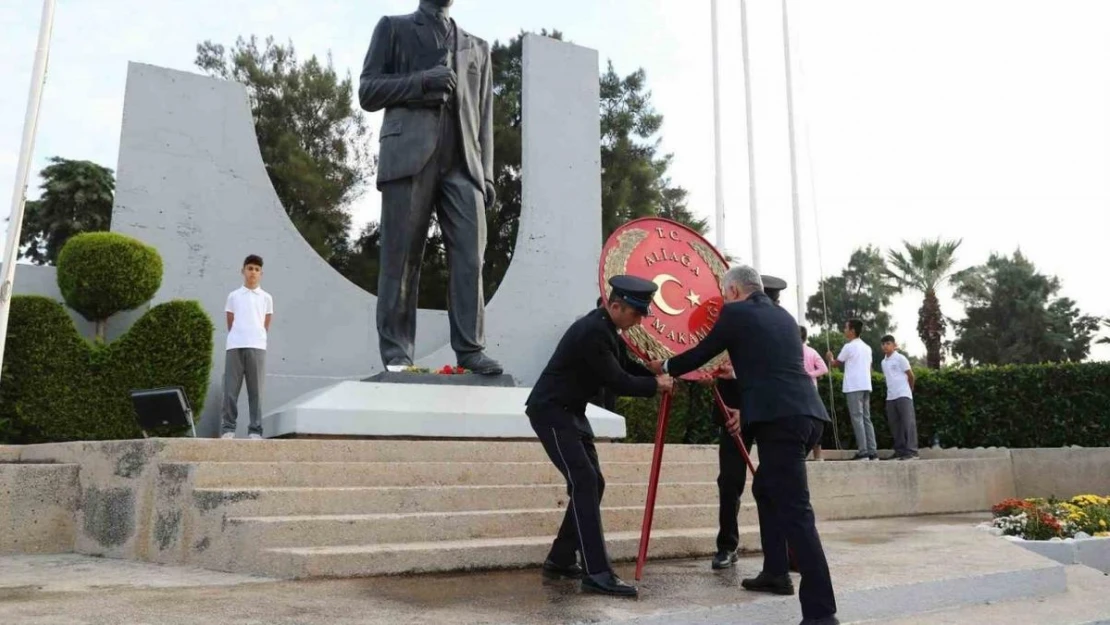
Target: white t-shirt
[[856, 356], [897, 382], [248, 328]]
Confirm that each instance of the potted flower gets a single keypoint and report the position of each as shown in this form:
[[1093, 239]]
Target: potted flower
[[1073, 531]]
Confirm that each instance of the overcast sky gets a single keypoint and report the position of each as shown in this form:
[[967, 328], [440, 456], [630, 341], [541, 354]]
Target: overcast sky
[[984, 120]]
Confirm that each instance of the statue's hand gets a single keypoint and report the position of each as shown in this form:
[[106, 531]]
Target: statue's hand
[[440, 79], [490, 195]]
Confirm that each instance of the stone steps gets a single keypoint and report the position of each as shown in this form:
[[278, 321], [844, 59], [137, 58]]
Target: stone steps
[[353, 529], [298, 507], [480, 554], [316, 450], [271, 501], [332, 474]]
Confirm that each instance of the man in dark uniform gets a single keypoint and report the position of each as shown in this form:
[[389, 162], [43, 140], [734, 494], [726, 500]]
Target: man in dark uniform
[[605, 397], [732, 473], [780, 404], [587, 358]]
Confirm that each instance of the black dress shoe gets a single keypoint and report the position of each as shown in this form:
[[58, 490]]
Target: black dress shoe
[[725, 559], [608, 584], [480, 363], [767, 583], [825, 620], [557, 571]]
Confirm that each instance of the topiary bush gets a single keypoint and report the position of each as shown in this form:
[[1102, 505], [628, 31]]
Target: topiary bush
[[1048, 405], [57, 386], [103, 273]]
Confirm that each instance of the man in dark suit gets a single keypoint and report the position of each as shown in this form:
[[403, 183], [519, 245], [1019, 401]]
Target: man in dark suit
[[781, 406], [732, 475], [434, 81], [586, 359]]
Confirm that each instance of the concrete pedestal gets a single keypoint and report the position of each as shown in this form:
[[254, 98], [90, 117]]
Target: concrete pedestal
[[379, 410]]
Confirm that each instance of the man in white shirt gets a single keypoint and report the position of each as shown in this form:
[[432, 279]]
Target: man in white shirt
[[249, 311], [899, 401], [855, 356]]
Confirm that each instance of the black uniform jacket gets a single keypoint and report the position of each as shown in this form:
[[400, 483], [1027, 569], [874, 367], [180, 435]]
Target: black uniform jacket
[[587, 359], [766, 352]]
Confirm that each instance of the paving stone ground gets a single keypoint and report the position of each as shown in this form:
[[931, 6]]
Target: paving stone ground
[[77, 590]]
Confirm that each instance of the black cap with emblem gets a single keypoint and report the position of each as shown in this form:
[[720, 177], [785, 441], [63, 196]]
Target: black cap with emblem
[[772, 286], [636, 292]]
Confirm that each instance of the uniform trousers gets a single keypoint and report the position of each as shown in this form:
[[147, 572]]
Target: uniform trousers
[[572, 450], [731, 479], [781, 492]]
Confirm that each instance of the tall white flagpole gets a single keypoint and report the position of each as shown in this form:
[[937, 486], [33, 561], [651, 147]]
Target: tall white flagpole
[[27, 147], [718, 185], [753, 209], [798, 270]]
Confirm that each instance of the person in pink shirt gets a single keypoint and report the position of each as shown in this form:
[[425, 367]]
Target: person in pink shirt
[[816, 368]]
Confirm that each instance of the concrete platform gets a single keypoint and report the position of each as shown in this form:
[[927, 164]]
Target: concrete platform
[[374, 409], [1086, 602], [882, 569]]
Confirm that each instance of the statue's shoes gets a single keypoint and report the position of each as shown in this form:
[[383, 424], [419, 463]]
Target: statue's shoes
[[480, 363]]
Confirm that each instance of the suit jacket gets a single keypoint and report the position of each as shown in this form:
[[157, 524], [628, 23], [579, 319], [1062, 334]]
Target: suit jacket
[[587, 358], [401, 49], [766, 351]]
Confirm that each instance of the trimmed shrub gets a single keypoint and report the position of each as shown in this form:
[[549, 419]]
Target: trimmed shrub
[[1047, 405], [57, 386], [103, 273]]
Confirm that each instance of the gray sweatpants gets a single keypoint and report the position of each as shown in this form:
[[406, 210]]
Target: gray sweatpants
[[240, 364], [859, 406], [903, 425]]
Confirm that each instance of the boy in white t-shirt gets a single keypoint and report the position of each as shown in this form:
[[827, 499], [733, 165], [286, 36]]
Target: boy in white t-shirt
[[249, 311], [899, 401], [855, 356]]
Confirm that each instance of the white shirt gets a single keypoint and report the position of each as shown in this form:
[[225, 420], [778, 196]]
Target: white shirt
[[895, 367], [248, 328], [856, 356]]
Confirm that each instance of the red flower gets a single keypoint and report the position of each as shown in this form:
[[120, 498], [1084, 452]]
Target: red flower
[[460, 370], [447, 370], [1009, 507]]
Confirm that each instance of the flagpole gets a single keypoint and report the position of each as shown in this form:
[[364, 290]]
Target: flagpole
[[718, 185], [27, 148], [797, 211], [753, 209]]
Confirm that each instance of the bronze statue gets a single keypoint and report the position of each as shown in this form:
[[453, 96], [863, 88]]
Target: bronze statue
[[434, 81]]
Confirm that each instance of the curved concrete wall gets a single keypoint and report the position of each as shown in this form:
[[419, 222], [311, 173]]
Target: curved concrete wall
[[192, 183]]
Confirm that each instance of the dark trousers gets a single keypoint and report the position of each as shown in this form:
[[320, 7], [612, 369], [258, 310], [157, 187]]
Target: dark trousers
[[781, 492], [407, 205], [732, 477], [903, 425], [573, 453]]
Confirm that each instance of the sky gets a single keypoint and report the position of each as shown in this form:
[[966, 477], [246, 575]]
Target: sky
[[980, 120]]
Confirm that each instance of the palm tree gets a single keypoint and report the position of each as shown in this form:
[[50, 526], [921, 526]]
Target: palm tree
[[926, 267]]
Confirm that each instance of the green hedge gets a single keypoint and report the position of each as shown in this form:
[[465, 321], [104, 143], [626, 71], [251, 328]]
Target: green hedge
[[103, 273], [1014, 406], [56, 386]]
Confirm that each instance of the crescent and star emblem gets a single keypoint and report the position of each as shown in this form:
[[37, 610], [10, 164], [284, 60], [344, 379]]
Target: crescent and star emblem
[[662, 304]]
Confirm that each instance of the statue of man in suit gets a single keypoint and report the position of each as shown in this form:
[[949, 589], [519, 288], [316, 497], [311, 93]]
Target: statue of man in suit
[[434, 81]]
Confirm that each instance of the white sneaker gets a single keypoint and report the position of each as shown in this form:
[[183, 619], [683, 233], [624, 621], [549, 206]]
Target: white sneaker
[[255, 437], [228, 435]]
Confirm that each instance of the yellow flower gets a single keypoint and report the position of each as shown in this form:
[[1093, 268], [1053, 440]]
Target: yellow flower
[[1102, 534], [1102, 523]]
